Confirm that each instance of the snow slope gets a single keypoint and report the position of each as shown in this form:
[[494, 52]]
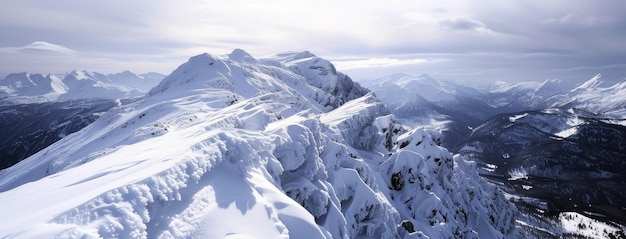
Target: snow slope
[[23, 88], [237, 147]]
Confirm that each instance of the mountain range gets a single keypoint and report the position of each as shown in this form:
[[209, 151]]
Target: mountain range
[[554, 147], [233, 146], [237, 147], [456, 108], [24, 88]]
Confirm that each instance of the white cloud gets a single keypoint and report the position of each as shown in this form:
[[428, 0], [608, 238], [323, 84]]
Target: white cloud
[[375, 62], [44, 57], [47, 47], [39, 47]]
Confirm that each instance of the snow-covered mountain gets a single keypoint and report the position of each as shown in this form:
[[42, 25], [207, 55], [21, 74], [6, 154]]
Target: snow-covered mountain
[[455, 108], [237, 147], [555, 147], [423, 101], [528, 95], [595, 95], [23, 88]]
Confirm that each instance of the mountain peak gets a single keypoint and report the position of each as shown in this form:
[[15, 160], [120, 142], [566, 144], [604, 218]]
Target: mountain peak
[[81, 75], [293, 56], [27, 84], [426, 77], [123, 73], [199, 69], [592, 83], [312, 76], [16, 80], [242, 56], [552, 87], [206, 58]]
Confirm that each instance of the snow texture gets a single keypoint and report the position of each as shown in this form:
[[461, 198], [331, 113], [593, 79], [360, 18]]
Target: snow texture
[[237, 147]]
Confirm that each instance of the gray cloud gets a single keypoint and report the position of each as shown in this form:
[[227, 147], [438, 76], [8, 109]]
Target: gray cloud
[[462, 24], [574, 19]]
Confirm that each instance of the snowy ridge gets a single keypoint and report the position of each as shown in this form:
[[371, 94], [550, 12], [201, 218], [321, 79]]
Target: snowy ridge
[[595, 95], [591, 84], [286, 142], [35, 86], [23, 88], [600, 97]]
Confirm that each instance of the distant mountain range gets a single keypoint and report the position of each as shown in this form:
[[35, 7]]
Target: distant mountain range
[[456, 109], [555, 147], [22, 88], [594, 95]]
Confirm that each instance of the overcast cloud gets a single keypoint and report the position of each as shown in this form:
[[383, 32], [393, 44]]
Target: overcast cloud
[[463, 40]]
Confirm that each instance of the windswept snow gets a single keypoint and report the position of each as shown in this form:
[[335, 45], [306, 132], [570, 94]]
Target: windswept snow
[[237, 147]]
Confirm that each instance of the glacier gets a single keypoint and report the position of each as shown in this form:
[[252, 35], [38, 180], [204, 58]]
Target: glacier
[[232, 146]]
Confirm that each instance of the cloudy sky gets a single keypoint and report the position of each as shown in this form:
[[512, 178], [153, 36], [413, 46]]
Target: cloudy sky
[[462, 40]]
